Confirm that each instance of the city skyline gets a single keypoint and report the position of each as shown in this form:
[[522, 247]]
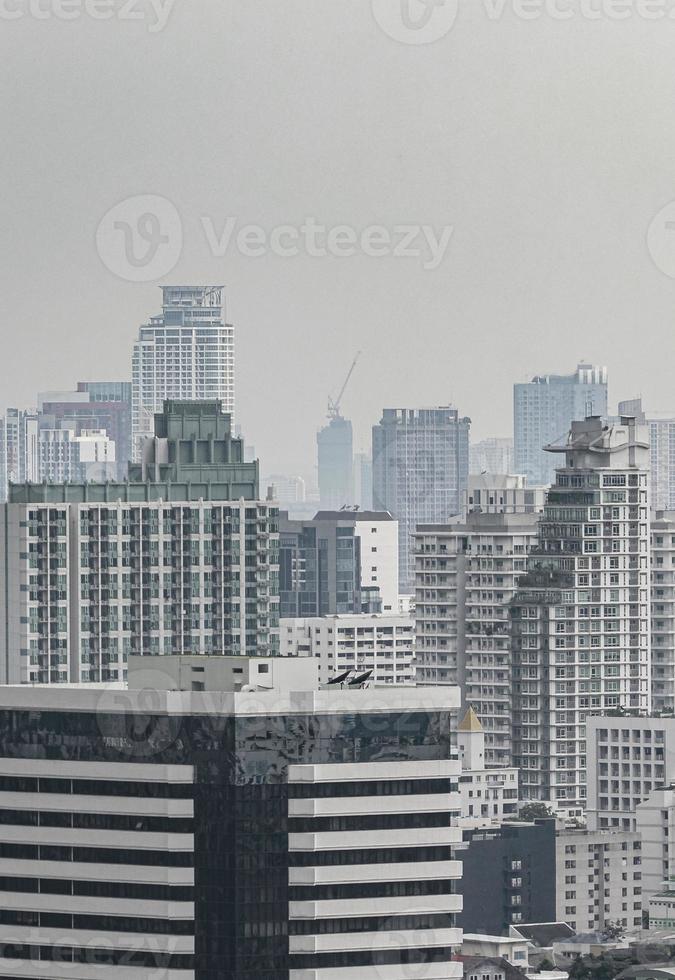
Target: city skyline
[[548, 263]]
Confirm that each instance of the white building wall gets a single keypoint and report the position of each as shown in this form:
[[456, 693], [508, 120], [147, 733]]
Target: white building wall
[[379, 559], [598, 879], [627, 758], [383, 644]]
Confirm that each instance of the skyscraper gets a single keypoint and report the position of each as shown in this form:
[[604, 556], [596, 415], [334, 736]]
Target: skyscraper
[[543, 411], [186, 352], [420, 471], [581, 616], [336, 463]]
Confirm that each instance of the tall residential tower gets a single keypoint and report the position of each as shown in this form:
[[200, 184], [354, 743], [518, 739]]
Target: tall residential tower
[[185, 353], [581, 617]]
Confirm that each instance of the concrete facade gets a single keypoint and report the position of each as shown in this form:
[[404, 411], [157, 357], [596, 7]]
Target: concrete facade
[[466, 575], [382, 643]]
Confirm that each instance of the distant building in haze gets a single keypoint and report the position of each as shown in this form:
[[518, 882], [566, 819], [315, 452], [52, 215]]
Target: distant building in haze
[[420, 472], [492, 456], [335, 446], [544, 409]]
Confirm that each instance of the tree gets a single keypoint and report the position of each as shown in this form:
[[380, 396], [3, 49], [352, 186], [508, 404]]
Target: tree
[[535, 811]]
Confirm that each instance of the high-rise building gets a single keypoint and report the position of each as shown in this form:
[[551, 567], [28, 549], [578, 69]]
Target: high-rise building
[[19, 449], [66, 418], [66, 456], [491, 456], [184, 353], [420, 471], [543, 411], [181, 558], [466, 575], [663, 610], [335, 446], [581, 618], [662, 452], [363, 481], [340, 562], [223, 818]]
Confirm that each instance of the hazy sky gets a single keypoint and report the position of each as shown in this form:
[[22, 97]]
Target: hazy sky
[[547, 145]]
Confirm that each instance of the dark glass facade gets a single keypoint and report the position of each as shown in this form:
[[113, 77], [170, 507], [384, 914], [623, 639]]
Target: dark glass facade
[[519, 863], [241, 853]]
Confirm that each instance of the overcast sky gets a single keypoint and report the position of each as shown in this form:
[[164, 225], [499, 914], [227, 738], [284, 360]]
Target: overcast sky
[[548, 146]]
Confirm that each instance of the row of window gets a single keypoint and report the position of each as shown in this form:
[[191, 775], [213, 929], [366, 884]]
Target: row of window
[[107, 923], [98, 889], [96, 787], [97, 821]]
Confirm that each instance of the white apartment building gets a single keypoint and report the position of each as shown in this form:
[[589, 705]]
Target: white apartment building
[[382, 643], [598, 879], [628, 757], [502, 493], [66, 456], [581, 618], [466, 575], [186, 353], [489, 794], [663, 611]]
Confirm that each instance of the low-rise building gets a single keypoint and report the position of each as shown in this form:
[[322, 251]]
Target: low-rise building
[[598, 879], [627, 757], [384, 644], [489, 794], [511, 948], [508, 876]]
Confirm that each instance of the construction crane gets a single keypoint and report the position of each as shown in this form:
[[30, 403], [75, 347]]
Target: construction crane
[[334, 404]]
